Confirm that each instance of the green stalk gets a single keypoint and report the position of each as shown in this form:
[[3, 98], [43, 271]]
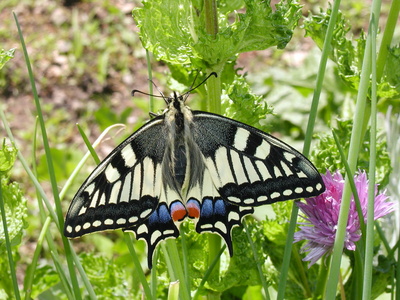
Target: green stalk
[[136, 262], [60, 219], [213, 87], [356, 136], [259, 267], [307, 144], [369, 247], [390, 26], [177, 267]]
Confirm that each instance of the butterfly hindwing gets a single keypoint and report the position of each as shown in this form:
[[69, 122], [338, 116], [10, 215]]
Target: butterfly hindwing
[[158, 227], [125, 187], [249, 167]]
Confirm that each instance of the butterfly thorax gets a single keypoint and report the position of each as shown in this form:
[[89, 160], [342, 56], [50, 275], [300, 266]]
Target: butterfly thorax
[[180, 169]]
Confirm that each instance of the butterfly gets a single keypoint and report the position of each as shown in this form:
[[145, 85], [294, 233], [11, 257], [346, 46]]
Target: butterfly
[[192, 164]]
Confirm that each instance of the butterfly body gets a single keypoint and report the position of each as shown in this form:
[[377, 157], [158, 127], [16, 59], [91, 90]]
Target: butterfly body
[[192, 164]]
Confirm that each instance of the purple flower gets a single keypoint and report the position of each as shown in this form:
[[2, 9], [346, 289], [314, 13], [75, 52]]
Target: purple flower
[[322, 212]]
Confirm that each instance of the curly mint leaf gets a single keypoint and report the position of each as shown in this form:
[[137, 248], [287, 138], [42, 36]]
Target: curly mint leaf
[[8, 155], [180, 37], [326, 154], [108, 278], [16, 213], [5, 56], [348, 54], [241, 104]]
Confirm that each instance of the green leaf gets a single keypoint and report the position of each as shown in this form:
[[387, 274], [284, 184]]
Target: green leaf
[[109, 280], [179, 36], [348, 55], [327, 156], [16, 213], [7, 158], [239, 103], [5, 56], [45, 279]]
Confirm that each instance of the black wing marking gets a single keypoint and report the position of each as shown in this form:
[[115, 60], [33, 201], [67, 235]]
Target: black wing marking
[[125, 187], [249, 167], [156, 228], [214, 214], [219, 216]]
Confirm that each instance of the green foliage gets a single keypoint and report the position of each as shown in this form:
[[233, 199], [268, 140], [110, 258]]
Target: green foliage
[[240, 103], [109, 280], [348, 56], [64, 161], [5, 56], [326, 155], [14, 201], [15, 206], [180, 36]]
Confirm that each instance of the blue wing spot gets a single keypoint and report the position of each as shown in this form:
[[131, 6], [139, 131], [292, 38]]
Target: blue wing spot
[[219, 207], [160, 215], [207, 208]]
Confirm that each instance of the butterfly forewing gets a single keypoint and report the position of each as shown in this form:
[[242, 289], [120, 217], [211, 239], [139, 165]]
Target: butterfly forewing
[[124, 189], [250, 167]]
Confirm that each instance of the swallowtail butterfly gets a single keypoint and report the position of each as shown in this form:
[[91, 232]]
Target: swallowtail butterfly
[[193, 164]]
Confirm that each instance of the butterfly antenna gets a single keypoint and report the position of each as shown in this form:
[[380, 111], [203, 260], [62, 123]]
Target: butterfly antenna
[[201, 83], [151, 95]]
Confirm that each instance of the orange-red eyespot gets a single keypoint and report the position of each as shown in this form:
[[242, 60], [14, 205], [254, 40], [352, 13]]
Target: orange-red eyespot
[[178, 211], [193, 208]]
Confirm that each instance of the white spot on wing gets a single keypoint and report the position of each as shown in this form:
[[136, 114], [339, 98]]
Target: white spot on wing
[[96, 223], [142, 229], [111, 173], [277, 172], [309, 189], [133, 219], [233, 216], [121, 221], [114, 193], [263, 150], [238, 168], [156, 234], [90, 188], [95, 197], [319, 186], [241, 137], [136, 183], [126, 188], [289, 156], [145, 213], [69, 229], [148, 178], [286, 169], [82, 211], [108, 221], [86, 225], [301, 174], [221, 226], [252, 173], [298, 190], [287, 192], [248, 201], [275, 195], [223, 168], [262, 198], [213, 172], [129, 156], [234, 199], [263, 170]]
